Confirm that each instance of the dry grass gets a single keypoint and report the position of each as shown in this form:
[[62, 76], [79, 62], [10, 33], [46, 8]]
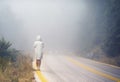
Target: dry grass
[[110, 60], [19, 71], [99, 55]]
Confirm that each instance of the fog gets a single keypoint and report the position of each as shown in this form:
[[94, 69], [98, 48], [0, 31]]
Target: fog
[[64, 25]]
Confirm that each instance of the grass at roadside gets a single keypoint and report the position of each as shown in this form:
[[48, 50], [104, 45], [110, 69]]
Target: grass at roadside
[[14, 65], [19, 71], [98, 55]]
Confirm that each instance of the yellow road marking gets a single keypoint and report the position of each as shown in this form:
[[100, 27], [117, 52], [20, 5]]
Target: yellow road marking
[[102, 63], [40, 75], [93, 70]]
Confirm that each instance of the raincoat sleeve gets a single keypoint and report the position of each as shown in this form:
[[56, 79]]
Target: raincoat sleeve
[[42, 45], [34, 45]]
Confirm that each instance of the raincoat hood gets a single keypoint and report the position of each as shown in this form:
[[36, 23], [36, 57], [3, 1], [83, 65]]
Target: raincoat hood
[[38, 38]]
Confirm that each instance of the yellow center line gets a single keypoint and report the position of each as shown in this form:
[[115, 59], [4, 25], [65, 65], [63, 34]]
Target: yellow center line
[[93, 70], [102, 63], [40, 75]]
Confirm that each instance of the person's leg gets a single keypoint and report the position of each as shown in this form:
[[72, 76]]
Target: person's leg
[[39, 63], [36, 63]]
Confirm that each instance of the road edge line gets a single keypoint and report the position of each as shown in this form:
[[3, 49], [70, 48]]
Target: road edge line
[[39, 74], [41, 77]]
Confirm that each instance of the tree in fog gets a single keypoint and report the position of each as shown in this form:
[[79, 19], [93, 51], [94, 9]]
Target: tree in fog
[[112, 43]]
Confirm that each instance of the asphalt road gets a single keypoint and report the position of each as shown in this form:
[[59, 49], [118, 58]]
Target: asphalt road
[[62, 68]]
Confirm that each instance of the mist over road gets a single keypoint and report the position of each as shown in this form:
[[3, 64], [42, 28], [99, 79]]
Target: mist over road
[[62, 68]]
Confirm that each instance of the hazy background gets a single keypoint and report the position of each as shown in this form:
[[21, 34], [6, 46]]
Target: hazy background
[[64, 25]]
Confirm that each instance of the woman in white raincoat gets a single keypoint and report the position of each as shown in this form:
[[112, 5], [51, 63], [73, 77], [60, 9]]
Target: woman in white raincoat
[[38, 45]]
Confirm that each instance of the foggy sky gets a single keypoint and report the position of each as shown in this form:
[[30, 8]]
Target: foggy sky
[[63, 24]]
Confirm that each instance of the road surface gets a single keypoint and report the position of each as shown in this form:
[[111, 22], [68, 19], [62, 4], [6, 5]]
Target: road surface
[[62, 68]]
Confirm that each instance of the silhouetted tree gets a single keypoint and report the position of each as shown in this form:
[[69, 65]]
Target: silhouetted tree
[[7, 54], [4, 46], [112, 43]]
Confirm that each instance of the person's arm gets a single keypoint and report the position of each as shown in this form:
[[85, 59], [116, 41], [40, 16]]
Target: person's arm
[[42, 45], [34, 45]]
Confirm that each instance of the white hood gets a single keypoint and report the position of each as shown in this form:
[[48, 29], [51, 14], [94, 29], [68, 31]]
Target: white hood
[[38, 38]]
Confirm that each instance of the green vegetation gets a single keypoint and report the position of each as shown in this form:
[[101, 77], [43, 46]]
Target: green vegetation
[[14, 66], [106, 48], [112, 43]]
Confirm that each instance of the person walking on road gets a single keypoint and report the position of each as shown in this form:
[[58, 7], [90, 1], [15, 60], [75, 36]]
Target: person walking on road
[[38, 46]]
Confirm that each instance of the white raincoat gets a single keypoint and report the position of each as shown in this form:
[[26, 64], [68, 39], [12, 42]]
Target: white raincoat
[[38, 45]]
